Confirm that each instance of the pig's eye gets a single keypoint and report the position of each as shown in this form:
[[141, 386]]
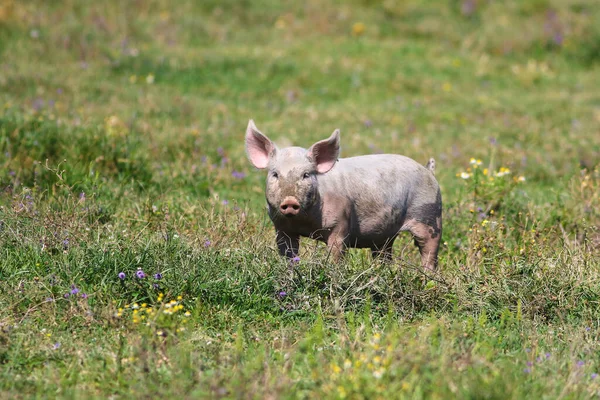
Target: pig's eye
[[275, 175], [306, 175]]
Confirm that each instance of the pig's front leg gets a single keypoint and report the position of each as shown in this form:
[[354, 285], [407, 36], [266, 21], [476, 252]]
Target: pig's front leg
[[288, 244], [336, 242]]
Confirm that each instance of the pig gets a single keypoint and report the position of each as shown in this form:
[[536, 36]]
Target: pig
[[355, 202]]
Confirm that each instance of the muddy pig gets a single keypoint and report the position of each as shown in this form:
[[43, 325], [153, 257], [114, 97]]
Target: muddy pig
[[361, 202]]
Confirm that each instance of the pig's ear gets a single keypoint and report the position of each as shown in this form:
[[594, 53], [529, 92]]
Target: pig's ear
[[258, 147], [324, 153]]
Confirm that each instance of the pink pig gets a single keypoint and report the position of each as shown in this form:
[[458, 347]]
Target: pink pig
[[361, 202]]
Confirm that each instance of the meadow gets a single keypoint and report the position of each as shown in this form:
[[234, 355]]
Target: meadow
[[137, 258]]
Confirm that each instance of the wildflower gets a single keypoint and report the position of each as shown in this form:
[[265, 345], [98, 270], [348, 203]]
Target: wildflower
[[225, 202], [238, 174], [594, 375], [282, 294], [336, 368], [447, 87], [132, 79], [358, 29], [84, 295], [121, 275], [296, 260], [140, 274], [527, 370], [187, 314], [56, 346], [580, 363], [280, 23], [158, 276], [150, 79], [378, 373], [521, 179], [465, 175], [207, 243], [502, 172]]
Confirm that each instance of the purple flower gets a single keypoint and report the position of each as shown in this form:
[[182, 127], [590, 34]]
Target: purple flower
[[140, 274], [296, 260], [580, 363], [225, 202], [594, 375], [66, 295], [121, 275], [158, 276], [527, 370], [84, 295], [282, 294], [529, 364], [220, 151], [547, 355], [56, 346], [155, 286], [74, 290], [238, 175], [493, 141], [207, 243]]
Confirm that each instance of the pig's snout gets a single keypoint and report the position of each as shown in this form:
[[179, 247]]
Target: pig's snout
[[289, 206]]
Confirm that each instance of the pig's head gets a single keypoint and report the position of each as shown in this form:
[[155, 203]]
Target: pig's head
[[292, 185]]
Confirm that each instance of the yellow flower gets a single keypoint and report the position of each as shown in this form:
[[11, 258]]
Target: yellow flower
[[280, 23], [447, 87], [132, 79], [150, 79], [358, 29], [187, 314]]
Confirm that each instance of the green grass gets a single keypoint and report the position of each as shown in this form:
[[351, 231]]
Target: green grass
[[121, 125]]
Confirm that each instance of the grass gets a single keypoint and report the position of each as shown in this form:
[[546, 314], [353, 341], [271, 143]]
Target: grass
[[121, 130]]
